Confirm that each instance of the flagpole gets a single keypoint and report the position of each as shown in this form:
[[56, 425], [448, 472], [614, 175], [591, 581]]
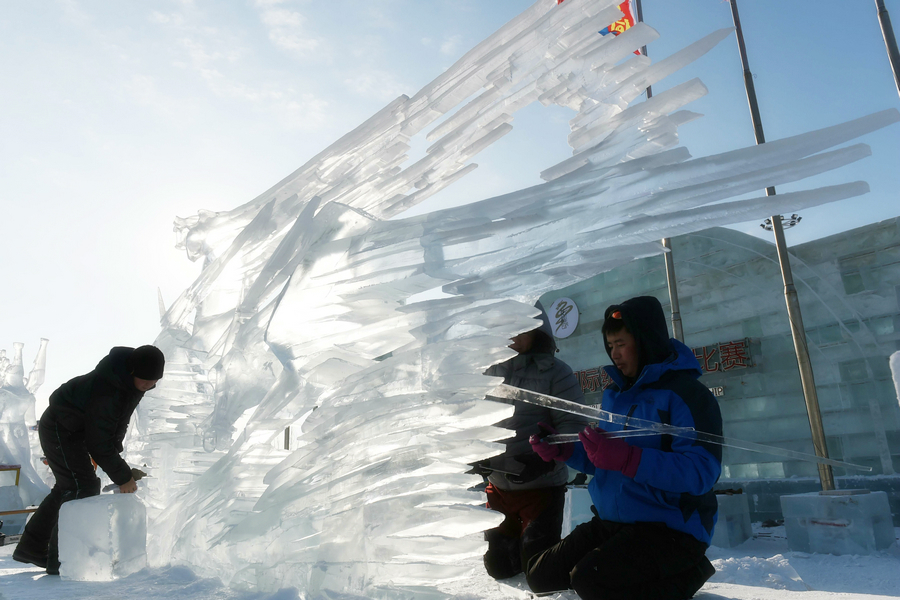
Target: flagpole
[[890, 42], [671, 282], [798, 332]]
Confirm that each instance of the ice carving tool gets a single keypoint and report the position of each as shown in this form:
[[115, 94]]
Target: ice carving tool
[[136, 474]]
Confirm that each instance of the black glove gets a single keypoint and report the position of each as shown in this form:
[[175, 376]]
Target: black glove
[[534, 468]]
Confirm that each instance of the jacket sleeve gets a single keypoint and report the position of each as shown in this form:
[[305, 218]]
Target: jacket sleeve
[[101, 426], [692, 466], [121, 430], [579, 460], [565, 385]]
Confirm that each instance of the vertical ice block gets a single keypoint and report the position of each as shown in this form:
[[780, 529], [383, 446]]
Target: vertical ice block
[[102, 538], [577, 510], [733, 525], [841, 522]]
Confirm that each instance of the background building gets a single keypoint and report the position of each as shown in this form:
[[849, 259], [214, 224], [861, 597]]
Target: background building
[[734, 317]]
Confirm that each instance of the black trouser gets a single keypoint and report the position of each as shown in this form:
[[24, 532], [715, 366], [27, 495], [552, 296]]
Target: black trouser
[[75, 478], [533, 523], [608, 560]]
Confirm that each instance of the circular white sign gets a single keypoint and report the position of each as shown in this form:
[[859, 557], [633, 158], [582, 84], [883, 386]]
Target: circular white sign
[[563, 317]]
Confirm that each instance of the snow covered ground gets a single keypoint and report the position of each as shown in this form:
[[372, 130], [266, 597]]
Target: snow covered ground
[[759, 569]]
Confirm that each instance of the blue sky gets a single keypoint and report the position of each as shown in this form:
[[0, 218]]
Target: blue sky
[[115, 117]]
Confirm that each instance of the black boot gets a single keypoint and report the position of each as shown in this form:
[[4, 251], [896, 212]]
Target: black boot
[[502, 560], [28, 550]]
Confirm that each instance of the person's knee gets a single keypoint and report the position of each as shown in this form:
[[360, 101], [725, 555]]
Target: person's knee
[[542, 577]]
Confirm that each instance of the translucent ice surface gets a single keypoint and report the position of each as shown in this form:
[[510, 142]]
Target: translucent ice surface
[[103, 537], [315, 425], [16, 416], [843, 522]]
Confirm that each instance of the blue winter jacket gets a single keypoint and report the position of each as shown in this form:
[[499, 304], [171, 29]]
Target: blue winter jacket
[[674, 481]]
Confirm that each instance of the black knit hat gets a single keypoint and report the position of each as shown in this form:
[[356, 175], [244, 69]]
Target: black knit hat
[[645, 320], [147, 362]]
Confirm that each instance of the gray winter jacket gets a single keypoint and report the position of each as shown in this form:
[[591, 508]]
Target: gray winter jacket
[[543, 373]]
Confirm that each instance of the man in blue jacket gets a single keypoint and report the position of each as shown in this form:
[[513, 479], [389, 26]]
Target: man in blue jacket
[[87, 419], [652, 494]]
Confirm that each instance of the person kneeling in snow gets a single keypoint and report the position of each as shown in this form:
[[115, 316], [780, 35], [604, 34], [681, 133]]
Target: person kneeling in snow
[[652, 494], [528, 491], [87, 418]]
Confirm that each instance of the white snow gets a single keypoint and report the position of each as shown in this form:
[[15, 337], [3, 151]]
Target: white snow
[[762, 568]]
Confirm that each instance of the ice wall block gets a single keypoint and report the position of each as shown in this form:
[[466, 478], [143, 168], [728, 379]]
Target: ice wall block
[[840, 522], [733, 525], [102, 538], [577, 510]]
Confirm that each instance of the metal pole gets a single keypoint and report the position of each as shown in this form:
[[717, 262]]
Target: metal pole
[[677, 330], [640, 18], [807, 380], [671, 282], [890, 42]]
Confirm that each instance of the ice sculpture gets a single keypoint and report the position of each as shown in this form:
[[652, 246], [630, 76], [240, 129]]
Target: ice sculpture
[[303, 317], [16, 414]]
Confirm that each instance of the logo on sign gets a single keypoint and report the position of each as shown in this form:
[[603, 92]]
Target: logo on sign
[[563, 317]]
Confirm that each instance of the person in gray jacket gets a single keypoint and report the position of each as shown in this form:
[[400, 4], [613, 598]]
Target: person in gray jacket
[[527, 490]]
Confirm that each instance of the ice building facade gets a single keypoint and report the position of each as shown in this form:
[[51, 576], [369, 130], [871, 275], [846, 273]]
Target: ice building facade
[[304, 315], [734, 318]]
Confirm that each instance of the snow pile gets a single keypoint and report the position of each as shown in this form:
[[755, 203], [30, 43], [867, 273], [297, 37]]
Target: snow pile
[[766, 562], [302, 315], [774, 572]]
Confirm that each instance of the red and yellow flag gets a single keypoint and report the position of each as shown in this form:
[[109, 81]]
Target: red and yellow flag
[[625, 23]]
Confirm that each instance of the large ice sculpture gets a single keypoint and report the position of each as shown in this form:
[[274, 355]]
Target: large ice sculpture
[[16, 414], [302, 317]]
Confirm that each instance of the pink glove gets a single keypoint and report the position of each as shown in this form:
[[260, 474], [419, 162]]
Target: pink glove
[[548, 452], [611, 454]]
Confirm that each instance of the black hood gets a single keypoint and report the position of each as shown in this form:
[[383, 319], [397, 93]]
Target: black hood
[[114, 368], [644, 318]]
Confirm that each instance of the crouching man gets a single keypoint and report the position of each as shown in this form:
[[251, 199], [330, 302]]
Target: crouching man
[[530, 492], [652, 494], [87, 418]]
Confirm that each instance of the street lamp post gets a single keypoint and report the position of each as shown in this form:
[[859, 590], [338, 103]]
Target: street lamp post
[[890, 42], [671, 282], [798, 333]]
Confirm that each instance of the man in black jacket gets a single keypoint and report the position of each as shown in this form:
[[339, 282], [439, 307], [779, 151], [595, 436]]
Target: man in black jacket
[[87, 418]]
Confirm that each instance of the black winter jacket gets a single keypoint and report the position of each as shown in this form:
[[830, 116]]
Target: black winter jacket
[[99, 406]]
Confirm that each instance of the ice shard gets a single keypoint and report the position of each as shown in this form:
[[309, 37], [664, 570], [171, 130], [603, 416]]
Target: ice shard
[[304, 317]]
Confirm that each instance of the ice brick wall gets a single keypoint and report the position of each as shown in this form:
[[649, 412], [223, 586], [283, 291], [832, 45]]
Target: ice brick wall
[[730, 288]]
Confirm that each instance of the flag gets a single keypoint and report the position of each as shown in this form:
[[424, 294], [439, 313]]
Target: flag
[[626, 22]]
